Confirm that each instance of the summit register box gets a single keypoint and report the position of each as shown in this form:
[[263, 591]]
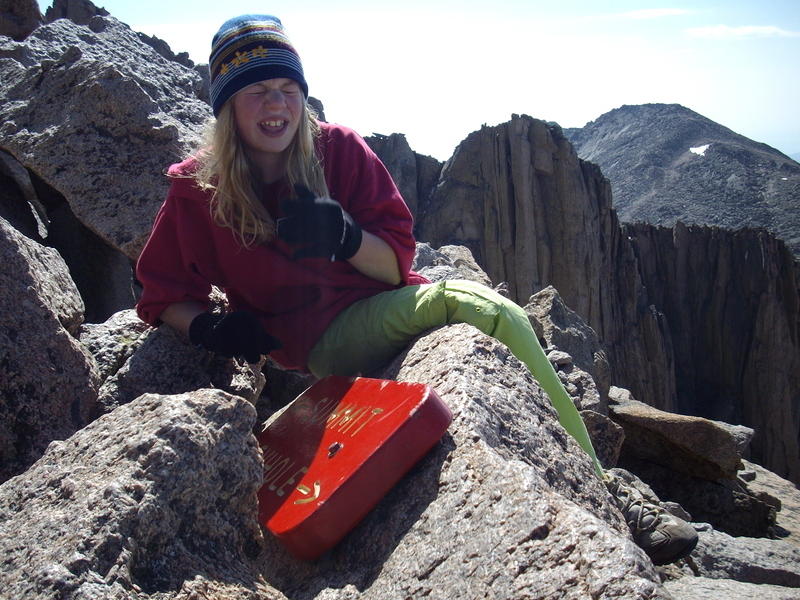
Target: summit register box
[[336, 450]]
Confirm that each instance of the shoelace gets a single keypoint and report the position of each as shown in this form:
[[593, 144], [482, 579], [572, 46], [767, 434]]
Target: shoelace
[[636, 519], [640, 524]]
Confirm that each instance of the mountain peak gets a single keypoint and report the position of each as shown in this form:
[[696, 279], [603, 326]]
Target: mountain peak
[[667, 163]]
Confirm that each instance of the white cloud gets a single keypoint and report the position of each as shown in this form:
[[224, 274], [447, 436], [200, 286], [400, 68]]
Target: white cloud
[[725, 32], [654, 13]]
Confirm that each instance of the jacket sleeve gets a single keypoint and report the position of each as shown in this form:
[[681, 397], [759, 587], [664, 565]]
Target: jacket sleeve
[[167, 267], [360, 182]]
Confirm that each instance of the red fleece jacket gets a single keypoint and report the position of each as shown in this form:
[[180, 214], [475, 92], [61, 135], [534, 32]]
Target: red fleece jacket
[[295, 299]]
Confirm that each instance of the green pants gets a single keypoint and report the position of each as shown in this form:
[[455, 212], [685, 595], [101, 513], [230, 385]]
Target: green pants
[[368, 334]]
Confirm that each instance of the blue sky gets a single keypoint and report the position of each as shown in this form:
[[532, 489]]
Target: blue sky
[[438, 70]]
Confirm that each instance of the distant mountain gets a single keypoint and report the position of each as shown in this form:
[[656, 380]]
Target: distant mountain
[[795, 157], [667, 163]]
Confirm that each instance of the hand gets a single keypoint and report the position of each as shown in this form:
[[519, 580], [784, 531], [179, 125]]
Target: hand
[[238, 334], [319, 226]]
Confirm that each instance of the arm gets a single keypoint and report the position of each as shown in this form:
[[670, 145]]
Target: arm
[[359, 181], [167, 268], [376, 259], [180, 315], [320, 227]]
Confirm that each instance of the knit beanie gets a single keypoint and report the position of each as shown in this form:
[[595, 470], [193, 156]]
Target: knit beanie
[[249, 49]]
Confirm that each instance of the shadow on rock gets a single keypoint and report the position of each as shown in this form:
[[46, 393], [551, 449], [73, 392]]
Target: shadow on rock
[[358, 560]]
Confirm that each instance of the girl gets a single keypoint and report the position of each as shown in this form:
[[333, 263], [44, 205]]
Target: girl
[[302, 226]]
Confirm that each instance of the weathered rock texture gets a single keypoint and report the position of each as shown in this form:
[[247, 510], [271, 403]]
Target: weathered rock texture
[[507, 488], [695, 462], [782, 494], [687, 444], [77, 11], [448, 262], [18, 18], [564, 329], [690, 319], [706, 588], [48, 382], [749, 560], [164, 362], [728, 181], [534, 215], [97, 115], [732, 306], [156, 500], [506, 469], [414, 174]]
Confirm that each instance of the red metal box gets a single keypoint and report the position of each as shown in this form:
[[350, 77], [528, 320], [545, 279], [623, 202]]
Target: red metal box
[[336, 450]]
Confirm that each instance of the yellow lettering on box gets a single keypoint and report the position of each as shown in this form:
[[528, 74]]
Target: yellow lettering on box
[[290, 481]]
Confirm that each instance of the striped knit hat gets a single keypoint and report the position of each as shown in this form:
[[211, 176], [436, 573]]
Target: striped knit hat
[[249, 49]]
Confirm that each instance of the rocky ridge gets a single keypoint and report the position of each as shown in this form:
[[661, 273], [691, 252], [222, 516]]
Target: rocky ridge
[[690, 317], [666, 164]]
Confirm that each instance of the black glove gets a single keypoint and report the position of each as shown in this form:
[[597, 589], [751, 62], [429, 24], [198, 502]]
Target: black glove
[[319, 226], [238, 334]]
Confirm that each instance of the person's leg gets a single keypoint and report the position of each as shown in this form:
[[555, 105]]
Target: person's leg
[[368, 334], [371, 332]]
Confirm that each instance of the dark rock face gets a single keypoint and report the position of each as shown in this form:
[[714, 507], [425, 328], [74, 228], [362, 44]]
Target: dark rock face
[[414, 174], [18, 18], [77, 11], [535, 215], [732, 304], [728, 181], [689, 318]]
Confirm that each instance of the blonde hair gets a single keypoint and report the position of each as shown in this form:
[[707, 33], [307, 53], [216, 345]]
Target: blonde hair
[[225, 171]]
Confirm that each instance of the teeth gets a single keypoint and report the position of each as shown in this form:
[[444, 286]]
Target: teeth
[[273, 123]]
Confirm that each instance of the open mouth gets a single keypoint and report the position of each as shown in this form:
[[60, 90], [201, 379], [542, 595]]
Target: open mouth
[[273, 126]]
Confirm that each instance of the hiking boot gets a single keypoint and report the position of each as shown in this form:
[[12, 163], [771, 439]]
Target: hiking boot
[[664, 537]]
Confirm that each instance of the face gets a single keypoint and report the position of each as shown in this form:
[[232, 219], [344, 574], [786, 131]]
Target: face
[[267, 116]]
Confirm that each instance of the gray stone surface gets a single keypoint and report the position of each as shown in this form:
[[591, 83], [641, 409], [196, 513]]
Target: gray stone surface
[[114, 341], [98, 115], [731, 301], [607, 437], [564, 329], [750, 560], [77, 11], [506, 506], [414, 174], [737, 182], [448, 262], [534, 215], [692, 445], [19, 17], [787, 526], [156, 500], [19, 203], [164, 362], [703, 588], [44, 271], [48, 382], [692, 319]]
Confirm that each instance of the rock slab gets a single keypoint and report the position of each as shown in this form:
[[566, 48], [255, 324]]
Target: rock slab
[[156, 500]]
